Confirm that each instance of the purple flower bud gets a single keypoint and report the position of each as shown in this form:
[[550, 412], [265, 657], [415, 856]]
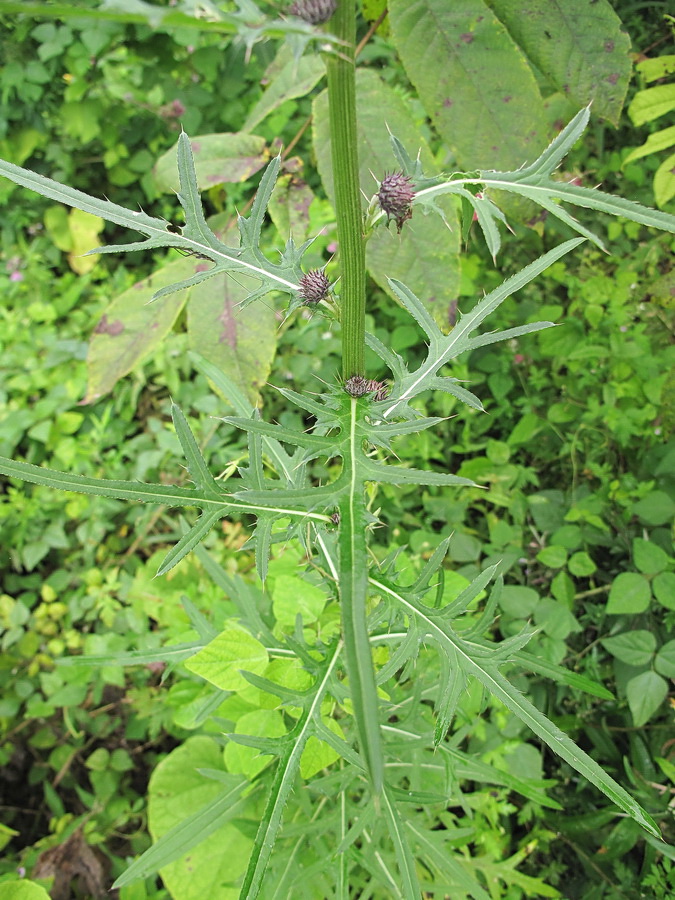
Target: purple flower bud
[[358, 386], [395, 196], [316, 12], [314, 286]]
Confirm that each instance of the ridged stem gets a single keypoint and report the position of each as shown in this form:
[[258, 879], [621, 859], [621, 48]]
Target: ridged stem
[[344, 153]]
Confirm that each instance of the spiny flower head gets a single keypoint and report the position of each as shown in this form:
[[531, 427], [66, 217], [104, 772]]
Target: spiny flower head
[[314, 286], [395, 196], [316, 12], [358, 386]]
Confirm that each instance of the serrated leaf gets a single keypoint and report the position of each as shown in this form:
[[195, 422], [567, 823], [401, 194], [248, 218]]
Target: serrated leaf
[[284, 779], [581, 47], [480, 667], [407, 881], [199, 471], [195, 237], [189, 832], [219, 159], [176, 787], [562, 675], [443, 348], [472, 79], [122, 490]]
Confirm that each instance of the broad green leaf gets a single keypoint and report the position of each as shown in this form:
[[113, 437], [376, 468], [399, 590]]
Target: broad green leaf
[[636, 648], [657, 508], [317, 754], [649, 557], [581, 564], [518, 601], [555, 619], [629, 594], [22, 890], [664, 589], [555, 557], [219, 159], [239, 340], [132, 328], [246, 760], [176, 791], [652, 103], [426, 254], [292, 597], [664, 181], [660, 140], [665, 660], [85, 233], [221, 660], [286, 79], [645, 693], [657, 67], [289, 207], [580, 46], [472, 79]]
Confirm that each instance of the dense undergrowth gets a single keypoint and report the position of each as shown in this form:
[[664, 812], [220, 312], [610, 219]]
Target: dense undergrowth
[[576, 447]]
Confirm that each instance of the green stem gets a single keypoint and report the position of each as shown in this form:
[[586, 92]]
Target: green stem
[[353, 585], [344, 154]]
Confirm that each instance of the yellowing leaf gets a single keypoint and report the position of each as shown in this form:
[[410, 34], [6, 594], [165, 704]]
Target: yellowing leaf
[[85, 230]]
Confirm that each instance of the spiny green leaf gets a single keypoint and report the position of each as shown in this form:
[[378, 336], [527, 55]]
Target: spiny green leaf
[[187, 833], [284, 779], [443, 348], [408, 882], [197, 467], [474, 663]]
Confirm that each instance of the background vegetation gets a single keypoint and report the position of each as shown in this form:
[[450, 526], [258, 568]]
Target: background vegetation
[[577, 448]]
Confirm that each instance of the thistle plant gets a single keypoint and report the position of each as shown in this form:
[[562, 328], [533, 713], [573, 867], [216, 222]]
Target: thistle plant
[[335, 692]]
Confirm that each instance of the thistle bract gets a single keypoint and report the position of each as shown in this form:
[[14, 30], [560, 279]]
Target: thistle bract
[[314, 286], [316, 12], [358, 386], [395, 197]]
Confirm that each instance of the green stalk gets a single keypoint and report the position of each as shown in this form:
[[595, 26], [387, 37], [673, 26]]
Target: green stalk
[[353, 564], [344, 154], [353, 581]]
